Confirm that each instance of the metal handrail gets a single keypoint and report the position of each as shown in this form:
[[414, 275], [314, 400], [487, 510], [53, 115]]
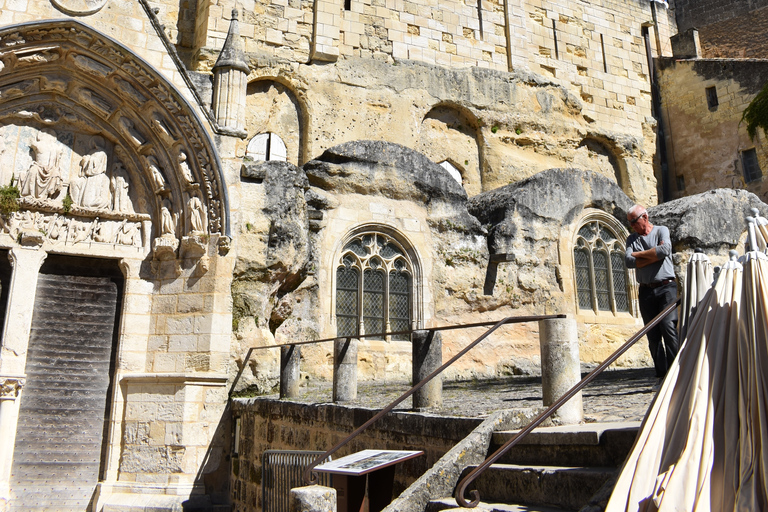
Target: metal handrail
[[309, 475], [357, 336], [462, 486]]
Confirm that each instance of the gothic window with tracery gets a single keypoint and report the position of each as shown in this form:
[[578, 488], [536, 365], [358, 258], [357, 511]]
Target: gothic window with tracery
[[601, 274], [373, 287]]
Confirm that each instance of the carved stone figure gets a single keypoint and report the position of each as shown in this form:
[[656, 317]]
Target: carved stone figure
[[167, 221], [129, 234], [157, 175], [43, 179], [91, 188], [185, 170], [196, 215], [121, 200]]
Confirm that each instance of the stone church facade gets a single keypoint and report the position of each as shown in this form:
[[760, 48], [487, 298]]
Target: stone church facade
[[195, 179]]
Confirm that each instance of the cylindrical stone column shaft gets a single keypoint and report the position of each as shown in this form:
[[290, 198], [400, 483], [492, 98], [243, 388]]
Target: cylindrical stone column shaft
[[345, 370], [560, 367], [427, 347], [312, 498], [290, 358]]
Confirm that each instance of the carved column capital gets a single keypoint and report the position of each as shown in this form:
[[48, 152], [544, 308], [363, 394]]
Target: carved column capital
[[10, 387], [35, 256]]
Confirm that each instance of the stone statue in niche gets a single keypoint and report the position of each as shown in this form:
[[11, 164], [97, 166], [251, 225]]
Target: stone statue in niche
[[43, 178], [167, 220], [196, 215], [158, 179], [91, 188], [185, 170], [121, 200]]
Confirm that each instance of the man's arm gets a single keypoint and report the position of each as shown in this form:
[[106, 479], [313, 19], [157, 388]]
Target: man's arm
[[654, 254], [645, 258]]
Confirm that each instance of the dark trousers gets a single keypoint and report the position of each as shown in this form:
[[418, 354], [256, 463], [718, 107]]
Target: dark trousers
[[652, 302]]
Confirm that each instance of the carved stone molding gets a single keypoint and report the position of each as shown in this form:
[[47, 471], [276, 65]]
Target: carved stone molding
[[66, 77], [164, 248], [194, 246], [10, 387]]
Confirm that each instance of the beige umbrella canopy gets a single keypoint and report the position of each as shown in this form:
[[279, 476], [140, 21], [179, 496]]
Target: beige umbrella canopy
[[698, 280], [700, 445]]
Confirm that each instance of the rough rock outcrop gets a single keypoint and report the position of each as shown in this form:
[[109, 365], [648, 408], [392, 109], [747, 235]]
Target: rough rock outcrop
[[712, 221], [383, 168]]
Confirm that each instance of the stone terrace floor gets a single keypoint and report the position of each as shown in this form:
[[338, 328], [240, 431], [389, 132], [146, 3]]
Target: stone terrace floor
[[616, 395]]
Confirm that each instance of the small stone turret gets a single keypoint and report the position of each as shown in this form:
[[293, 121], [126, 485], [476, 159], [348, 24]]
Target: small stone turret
[[230, 81]]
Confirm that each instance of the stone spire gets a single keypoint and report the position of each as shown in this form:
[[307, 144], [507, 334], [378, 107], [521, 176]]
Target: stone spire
[[230, 75]]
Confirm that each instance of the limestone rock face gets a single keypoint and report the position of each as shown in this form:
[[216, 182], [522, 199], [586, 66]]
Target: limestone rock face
[[713, 221], [383, 168], [272, 265]]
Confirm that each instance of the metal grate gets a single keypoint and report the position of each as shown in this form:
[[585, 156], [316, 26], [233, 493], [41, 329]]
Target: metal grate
[[283, 470], [583, 279], [399, 306], [600, 262], [373, 301], [619, 281], [346, 301]]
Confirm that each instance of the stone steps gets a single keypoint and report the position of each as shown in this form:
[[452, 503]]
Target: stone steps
[[589, 444], [552, 469], [450, 503]]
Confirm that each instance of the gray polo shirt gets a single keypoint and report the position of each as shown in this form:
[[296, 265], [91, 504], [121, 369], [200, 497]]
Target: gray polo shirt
[[660, 270]]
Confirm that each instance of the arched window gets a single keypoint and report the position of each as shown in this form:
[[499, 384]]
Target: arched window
[[601, 274], [374, 287], [267, 146]]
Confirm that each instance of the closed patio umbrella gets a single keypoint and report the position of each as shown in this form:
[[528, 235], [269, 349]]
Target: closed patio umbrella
[[698, 280], [700, 446]]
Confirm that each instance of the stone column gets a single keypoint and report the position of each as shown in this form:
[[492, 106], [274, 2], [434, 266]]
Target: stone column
[[427, 349], [345, 370], [313, 498], [560, 366], [10, 391], [290, 358], [26, 264]]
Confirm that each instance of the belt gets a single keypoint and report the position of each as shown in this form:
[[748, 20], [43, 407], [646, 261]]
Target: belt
[[657, 284]]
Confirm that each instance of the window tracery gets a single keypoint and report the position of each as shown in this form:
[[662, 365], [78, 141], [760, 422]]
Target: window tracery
[[374, 287], [600, 272]]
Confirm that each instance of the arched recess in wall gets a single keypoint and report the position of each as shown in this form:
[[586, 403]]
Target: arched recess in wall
[[603, 158], [451, 133], [273, 107], [377, 282], [85, 120]]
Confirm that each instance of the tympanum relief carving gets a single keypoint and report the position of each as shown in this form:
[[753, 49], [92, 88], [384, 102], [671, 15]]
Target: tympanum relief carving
[[76, 188], [66, 82]]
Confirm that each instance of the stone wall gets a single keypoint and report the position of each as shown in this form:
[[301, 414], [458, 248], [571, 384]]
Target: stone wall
[[700, 13], [276, 425], [705, 144], [597, 48]]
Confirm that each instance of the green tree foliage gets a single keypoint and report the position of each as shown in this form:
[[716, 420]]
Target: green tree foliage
[[756, 113]]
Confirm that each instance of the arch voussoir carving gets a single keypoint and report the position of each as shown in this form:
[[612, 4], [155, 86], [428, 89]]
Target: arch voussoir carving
[[99, 143]]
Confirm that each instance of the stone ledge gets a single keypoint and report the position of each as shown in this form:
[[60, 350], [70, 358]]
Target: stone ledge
[[215, 379]]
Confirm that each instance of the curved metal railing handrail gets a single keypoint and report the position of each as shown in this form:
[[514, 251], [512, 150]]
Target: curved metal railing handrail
[[309, 474], [251, 350], [462, 486]]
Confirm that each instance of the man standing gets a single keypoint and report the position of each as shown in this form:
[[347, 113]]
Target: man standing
[[649, 250]]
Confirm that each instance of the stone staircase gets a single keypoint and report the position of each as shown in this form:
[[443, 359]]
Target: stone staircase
[[554, 469]]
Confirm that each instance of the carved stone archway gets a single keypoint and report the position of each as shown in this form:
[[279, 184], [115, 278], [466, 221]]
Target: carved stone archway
[[88, 94]]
